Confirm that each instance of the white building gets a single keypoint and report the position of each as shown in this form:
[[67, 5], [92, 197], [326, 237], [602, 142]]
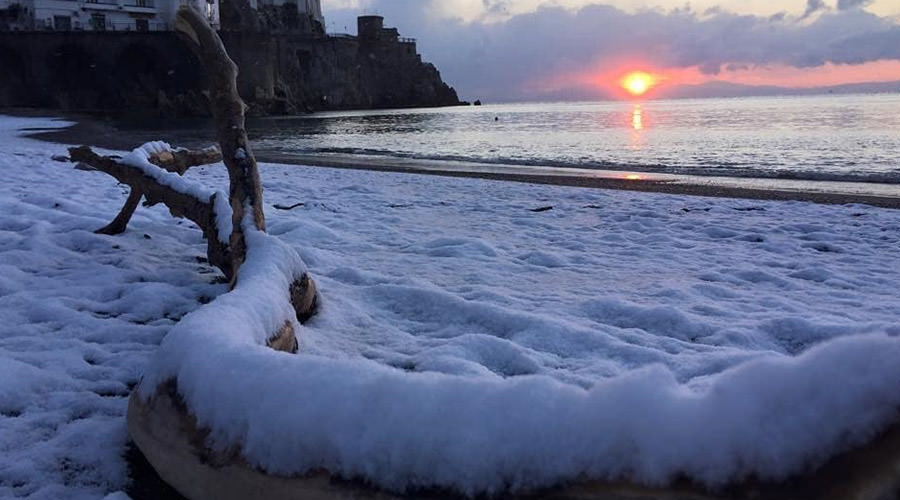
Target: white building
[[98, 15], [122, 15]]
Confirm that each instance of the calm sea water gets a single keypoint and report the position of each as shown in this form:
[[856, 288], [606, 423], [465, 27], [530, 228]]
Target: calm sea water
[[840, 138]]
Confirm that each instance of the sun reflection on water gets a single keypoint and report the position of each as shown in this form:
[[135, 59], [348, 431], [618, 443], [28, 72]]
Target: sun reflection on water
[[637, 128]]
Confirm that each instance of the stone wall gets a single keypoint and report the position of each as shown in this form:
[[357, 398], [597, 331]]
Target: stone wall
[[153, 72], [94, 71]]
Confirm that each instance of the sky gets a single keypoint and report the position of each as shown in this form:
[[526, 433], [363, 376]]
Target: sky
[[501, 50]]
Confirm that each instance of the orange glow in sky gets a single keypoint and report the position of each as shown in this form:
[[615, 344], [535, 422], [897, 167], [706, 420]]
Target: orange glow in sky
[[631, 78], [637, 83], [634, 79]]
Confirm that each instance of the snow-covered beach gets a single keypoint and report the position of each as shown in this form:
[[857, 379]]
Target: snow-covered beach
[[469, 337]]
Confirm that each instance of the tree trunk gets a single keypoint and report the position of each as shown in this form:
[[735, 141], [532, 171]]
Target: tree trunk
[[228, 114]]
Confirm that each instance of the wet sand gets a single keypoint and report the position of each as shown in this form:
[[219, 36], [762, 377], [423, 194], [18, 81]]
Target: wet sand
[[94, 132], [647, 182]]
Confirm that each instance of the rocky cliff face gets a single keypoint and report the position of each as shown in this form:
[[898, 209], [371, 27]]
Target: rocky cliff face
[[343, 73], [280, 73], [289, 74]]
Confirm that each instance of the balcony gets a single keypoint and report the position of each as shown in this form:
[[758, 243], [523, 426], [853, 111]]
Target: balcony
[[102, 5], [138, 25], [102, 24], [148, 4]]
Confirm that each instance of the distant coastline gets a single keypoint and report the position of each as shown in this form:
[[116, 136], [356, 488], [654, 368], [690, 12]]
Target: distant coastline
[[726, 89]]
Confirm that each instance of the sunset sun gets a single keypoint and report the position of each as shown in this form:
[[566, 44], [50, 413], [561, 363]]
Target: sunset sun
[[637, 83]]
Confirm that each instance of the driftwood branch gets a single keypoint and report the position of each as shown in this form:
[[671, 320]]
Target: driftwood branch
[[120, 223], [144, 418], [288, 207], [245, 186], [183, 205], [228, 114], [177, 161]]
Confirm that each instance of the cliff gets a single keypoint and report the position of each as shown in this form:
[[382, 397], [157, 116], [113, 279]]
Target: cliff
[[328, 73], [282, 71]]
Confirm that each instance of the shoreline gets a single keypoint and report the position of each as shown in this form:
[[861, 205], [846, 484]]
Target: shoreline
[[648, 183], [98, 133]]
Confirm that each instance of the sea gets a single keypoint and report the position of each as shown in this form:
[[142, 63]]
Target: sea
[[837, 140]]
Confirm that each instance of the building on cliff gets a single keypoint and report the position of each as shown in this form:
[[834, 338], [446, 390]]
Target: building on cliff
[[98, 15], [302, 16], [295, 17], [118, 55]]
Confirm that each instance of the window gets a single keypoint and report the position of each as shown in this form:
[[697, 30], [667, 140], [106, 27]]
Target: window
[[142, 25], [98, 21], [62, 23]]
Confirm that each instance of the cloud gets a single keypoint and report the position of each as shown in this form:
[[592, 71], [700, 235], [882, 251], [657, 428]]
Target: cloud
[[813, 6], [511, 59], [852, 4]]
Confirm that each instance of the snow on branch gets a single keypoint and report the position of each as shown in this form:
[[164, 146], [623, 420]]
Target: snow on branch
[[206, 208], [176, 161], [180, 160]]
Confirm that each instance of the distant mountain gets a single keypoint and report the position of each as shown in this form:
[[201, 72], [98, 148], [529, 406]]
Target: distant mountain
[[727, 89]]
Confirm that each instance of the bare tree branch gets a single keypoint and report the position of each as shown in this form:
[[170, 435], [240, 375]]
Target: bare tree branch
[[120, 223], [177, 161], [201, 212], [228, 113]]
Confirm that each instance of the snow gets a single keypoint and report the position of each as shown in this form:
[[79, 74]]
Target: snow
[[140, 159], [80, 315], [463, 340], [224, 216]]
